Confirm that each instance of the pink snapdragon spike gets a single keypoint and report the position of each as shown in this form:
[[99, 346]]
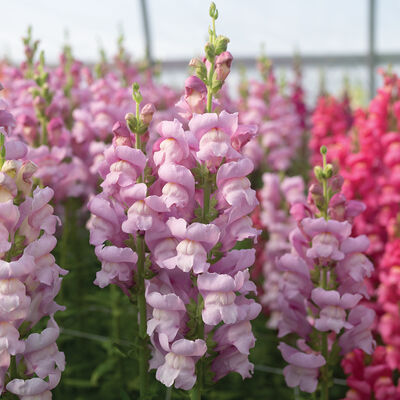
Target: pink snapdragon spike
[[189, 199], [29, 280], [121, 214], [201, 227], [321, 287]]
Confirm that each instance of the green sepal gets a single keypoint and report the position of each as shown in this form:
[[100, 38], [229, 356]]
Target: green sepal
[[191, 309], [148, 272], [209, 49], [315, 275], [215, 254], [334, 355], [130, 243], [221, 44], [132, 122]]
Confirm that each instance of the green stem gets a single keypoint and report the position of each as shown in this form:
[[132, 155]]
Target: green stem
[[324, 346], [141, 299], [209, 87], [43, 123], [116, 328], [325, 189], [13, 368], [138, 142], [2, 150], [195, 393], [206, 202]]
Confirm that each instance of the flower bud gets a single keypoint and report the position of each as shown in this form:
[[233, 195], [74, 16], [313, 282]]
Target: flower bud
[[10, 168], [328, 171], [213, 11], [132, 122], [317, 195], [200, 68], [25, 173], [136, 95], [122, 136], [40, 104], [318, 172], [223, 65], [146, 115], [195, 94]]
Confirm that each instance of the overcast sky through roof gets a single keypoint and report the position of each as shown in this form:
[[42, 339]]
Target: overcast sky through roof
[[179, 27]]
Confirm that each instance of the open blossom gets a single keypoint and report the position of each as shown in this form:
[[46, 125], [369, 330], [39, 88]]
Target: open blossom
[[179, 187], [195, 241], [303, 368], [179, 364], [213, 134], [172, 146], [166, 222], [219, 295]]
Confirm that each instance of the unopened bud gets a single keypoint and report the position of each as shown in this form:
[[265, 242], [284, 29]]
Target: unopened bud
[[24, 177], [146, 115], [10, 168], [132, 122], [137, 96], [318, 172], [328, 171], [213, 11], [122, 136], [223, 65]]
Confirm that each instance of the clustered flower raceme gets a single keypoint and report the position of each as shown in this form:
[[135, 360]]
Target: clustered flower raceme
[[370, 377], [276, 198], [322, 285], [329, 127], [189, 198], [66, 116], [278, 119], [31, 363], [370, 173], [179, 248]]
